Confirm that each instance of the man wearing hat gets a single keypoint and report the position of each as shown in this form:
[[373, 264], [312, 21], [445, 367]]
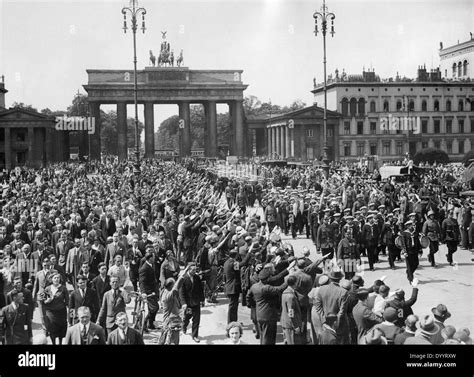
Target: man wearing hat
[[358, 204], [291, 316], [364, 318], [440, 314], [402, 306], [432, 229], [450, 235], [314, 221], [336, 228], [408, 331], [369, 238], [388, 235], [411, 248], [426, 329], [332, 298], [348, 254], [270, 215], [325, 237]]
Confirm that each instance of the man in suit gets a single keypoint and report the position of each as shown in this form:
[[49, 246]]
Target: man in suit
[[114, 302], [325, 237], [85, 271], [63, 245], [27, 296], [112, 249], [364, 318], [232, 282], [83, 296], [409, 330], [85, 332], [332, 298], [191, 294], [101, 283], [41, 282], [133, 257], [149, 288], [17, 321], [369, 237], [266, 299], [124, 335], [107, 225]]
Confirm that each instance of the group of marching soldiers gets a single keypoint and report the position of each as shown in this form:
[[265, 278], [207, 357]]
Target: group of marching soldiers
[[364, 230]]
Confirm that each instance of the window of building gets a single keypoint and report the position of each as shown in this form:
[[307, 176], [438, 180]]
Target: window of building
[[459, 69], [360, 128], [2, 134], [461, 125], [386, 148], [454, 70], [449, 126], [345, 107], [361, 106], [399, 148], [437, 144], [411, 105], [20, 158], [399, 105], [386, 106], [461, 147], [424, 126], [424, 106], [448, 105], [373, 127], [329, 130], [347, 149], [436, 105], [373, 107], [360, 149], [309, 153], [347, 128], [465, 68], [353, 107], [449, 147], [461, 105], [436, 126], [309, 132], [373, 149], [424, 144]]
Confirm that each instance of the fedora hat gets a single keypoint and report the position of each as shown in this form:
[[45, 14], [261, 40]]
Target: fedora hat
[[427, 325], [357, 280], [441, 311], [375, 337], [335, 275]]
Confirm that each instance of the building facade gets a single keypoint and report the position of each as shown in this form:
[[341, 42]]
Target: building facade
[[297, 135], [430, 112], [28, 138], [456, 61]]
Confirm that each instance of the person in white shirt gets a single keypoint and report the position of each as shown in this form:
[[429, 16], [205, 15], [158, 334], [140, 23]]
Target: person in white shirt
[[85, 332], [381, 300], [118, 270]]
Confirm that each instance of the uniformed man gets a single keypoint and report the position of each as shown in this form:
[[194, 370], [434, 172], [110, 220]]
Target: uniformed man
[[387, 237], [411, 248], [358, 204], [336, 228], [432, 229], [348, 254], [450, 235], [314, 221], [325, 237], [369, 238], [17, 321]]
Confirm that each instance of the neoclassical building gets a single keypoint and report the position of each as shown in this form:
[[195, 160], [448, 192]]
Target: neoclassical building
[[456, 61], [442, 109]]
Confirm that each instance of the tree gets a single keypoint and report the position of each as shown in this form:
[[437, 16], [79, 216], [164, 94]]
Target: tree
[[431, 155], [468, 156], [21, 105], [109, 135]]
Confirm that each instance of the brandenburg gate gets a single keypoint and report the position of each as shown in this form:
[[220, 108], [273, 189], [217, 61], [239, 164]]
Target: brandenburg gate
[[168, 85]]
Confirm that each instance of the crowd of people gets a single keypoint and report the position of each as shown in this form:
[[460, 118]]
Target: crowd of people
[[81, 241]]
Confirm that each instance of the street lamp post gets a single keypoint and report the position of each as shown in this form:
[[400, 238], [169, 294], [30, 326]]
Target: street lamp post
[[134, 12], [323, 16]]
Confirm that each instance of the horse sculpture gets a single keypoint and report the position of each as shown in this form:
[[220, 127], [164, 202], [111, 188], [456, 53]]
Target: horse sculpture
[[164, 58], [152, 58], [179, 61]]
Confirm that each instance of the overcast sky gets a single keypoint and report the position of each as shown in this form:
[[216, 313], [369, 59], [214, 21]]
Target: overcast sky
[[46, 46]]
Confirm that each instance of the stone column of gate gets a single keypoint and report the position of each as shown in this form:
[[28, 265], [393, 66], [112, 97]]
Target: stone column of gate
[[287, 142], [8, 148], [184, 113], [149, 130], [94, 111], [238, 120], [274, 141], [292, 142], [122, 131], [31, 153], [211, 125], [48, 145], [282, 130], [83, 139]]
